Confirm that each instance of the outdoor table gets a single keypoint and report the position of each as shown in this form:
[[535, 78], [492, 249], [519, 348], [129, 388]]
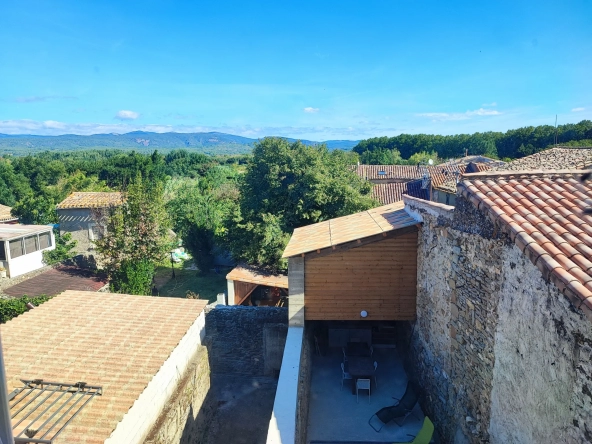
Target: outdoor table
[[360, 367], [358, 349]]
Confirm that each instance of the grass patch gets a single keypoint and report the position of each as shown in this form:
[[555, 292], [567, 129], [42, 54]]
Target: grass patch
[[207, 285]]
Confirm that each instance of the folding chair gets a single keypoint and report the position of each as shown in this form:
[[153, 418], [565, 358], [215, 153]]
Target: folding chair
[[400, 410]]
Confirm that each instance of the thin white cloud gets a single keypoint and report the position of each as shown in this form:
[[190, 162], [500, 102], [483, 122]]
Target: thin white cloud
[[35, 99], [490, 104], [442, 117], [127, 115], [577, 110], [311, 110]]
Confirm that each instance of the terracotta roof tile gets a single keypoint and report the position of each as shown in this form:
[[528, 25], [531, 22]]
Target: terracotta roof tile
[[544, 217], [116, 341], [5, 215], [348, 228], [387, 193], [91, 200], [551, 159]]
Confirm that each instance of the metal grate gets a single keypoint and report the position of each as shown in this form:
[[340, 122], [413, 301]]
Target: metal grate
[[40, 410]]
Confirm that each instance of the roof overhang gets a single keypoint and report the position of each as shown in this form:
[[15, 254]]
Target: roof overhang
[[257, 276]]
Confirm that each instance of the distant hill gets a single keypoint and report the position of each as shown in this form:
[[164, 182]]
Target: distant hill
[[208, 143]]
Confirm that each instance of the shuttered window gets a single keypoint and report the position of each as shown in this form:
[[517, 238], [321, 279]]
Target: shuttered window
[[16, 248], [44, 240], [31, 244]]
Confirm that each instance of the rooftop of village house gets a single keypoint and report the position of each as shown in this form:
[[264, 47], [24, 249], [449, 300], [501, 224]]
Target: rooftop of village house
[[341, 230], [5, 215], [543, 213], [552, 159], [8, 231], [387, 193], [91, 200], [119, 342]]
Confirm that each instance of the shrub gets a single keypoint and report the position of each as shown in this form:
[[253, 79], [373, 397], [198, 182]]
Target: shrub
[[11, 308], [62, 251], [133, 277]]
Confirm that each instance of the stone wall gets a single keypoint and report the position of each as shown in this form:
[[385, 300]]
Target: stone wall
[[188, 413], [542, 377], [246, 341], [492, 337]]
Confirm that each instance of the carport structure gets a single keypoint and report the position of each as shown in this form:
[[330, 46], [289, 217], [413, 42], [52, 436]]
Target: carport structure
[[249, 285]]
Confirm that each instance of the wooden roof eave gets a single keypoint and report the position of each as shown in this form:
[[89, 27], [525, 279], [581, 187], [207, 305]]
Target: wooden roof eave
[[358, 242]]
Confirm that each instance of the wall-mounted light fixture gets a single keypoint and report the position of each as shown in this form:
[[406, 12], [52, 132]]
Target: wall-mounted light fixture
[[363, 313]]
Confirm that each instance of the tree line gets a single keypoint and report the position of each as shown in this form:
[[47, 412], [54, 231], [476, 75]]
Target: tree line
[[509, 145]]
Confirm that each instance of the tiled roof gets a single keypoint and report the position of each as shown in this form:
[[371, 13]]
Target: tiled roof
[[348, 228], [91, 200], [8, 231], [5, 215], [552, 159], [387, 193], [543, 214], [254, 275], [116, 341], [438, 173]]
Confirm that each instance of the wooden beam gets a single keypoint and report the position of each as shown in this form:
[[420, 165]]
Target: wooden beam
[[244, 298], [360, 242]]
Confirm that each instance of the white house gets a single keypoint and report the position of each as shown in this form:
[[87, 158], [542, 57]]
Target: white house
[[21, 247]]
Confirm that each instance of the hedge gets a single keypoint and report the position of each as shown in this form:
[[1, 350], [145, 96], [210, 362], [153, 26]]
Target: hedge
[[11, 308]]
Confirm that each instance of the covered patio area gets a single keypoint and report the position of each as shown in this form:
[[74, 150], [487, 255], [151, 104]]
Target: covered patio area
[[336, 416]]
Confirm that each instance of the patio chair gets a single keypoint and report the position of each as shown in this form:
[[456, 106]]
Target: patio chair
[[344, 375], [362, 384], [400, 410], [344, 354]]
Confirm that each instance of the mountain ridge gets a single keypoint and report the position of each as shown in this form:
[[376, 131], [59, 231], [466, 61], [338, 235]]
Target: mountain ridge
[[207, 142]]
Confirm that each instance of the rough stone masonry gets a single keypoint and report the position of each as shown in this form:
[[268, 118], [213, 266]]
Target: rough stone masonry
[[502, 354]]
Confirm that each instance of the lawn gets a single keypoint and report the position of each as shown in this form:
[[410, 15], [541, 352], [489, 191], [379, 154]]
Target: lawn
[[207, 285]]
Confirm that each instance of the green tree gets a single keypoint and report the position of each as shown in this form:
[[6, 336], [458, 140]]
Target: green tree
[[136, 237], [381, 156], [286, 186]]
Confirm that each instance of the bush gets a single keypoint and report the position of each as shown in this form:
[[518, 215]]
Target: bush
[[11, 308], [62, 251], [133, 277]]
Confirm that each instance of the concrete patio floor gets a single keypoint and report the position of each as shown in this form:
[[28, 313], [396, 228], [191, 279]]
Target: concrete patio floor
[[335, 416]]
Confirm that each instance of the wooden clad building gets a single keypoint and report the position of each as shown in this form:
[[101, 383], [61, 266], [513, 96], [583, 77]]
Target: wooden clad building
[[357, 267]]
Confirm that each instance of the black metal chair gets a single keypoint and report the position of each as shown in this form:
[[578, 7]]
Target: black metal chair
[[400, 410]]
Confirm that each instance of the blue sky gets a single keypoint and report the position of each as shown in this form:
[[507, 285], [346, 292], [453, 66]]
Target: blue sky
[[316, 70]]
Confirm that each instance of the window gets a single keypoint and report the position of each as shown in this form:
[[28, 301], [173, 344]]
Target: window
[[44, 240], [31, 244], [16, 248], [95, 232], [2, 251]]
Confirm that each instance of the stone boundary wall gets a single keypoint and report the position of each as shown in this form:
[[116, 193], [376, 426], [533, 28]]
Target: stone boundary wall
[[246, 341], [477, 358], [188, 413]]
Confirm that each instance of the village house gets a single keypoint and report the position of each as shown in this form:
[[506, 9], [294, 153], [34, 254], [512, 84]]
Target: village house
[[5, 215], [430, 182], [22, 247], [108, 368], [83, 215], [500, 341]]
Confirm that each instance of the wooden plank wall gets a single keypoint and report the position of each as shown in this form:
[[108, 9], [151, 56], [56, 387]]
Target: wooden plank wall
[[242, 289], [380, 278]]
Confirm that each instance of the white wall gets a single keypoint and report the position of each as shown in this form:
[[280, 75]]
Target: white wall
[[282, 427], [28, 262]]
